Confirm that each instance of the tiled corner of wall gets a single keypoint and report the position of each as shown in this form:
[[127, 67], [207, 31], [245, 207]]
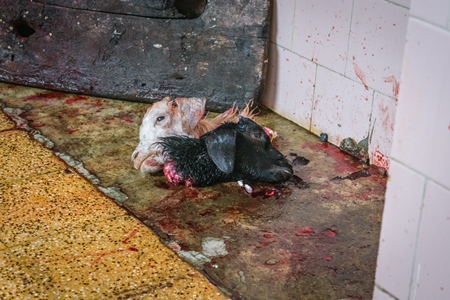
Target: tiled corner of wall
[[341, 107], [417, 208], [282, 22], [321, 32], [377, 39], [382, 129], [290, 91], [399, 231], [422, 132], [357, 49], [434, 12]]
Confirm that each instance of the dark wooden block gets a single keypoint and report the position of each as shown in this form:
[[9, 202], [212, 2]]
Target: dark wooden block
[[138, 52]]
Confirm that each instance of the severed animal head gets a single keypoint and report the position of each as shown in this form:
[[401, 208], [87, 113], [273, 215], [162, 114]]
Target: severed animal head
[[231, 152], [168, 117]]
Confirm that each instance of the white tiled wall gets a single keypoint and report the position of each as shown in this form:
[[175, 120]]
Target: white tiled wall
[[376, 44], [412, 260], [383, 116], [378, 69], [321, 29], [399, 230], [335, 68], [341, 106], [291, 79]]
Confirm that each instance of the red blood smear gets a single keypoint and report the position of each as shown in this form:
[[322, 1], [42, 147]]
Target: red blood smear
[[306, 230], [133, 249], [330, 233], [126, 119], [130, 236], [167, 225], [344, 162], [45, 97], [266, 243], [268, 235], [73, 100], [328, 258], [270, 193], [359, 73], [381, 160], [395, 85], [98, 103], [190, 193], [265, 193], [72, 131]]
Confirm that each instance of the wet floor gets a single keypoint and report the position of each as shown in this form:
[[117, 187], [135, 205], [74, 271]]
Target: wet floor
[[313, 238]]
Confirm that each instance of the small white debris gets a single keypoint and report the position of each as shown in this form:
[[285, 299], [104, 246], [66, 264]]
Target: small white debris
[[157, 46], [248, 188], [242, 275], [214, 247]]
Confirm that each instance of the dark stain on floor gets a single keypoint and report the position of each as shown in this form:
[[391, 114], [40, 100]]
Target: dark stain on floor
[[315, 237]]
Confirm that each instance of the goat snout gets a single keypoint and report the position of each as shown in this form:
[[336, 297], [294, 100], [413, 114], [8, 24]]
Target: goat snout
[[281, 173], [147, 159]]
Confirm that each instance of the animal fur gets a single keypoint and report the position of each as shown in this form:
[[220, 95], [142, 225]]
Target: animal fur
[[231, 152], [179, 116]]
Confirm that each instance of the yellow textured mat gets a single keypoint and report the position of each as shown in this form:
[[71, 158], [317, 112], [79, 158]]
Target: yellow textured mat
[[62, 238]]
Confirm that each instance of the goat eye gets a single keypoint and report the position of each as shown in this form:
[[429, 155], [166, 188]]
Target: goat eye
[[159, 119], [256, 135]]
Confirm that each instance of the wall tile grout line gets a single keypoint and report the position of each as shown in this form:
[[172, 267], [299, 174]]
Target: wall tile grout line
[[334, 71], [385, 292], [397, 4], [348, 39], [427, 178], [416, 272], [293, 24], [313, 98], [426, 22]]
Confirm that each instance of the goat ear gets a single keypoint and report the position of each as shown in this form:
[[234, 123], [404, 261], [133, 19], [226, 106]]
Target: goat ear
[[221, 147]]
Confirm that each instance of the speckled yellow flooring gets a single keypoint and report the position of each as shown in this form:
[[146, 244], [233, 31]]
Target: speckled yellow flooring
[[62, 238]]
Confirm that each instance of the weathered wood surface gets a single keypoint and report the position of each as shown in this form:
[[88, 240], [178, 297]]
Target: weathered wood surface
[[172, 9], [219, 55]]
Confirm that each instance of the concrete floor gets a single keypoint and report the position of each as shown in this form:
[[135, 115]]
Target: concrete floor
[[315, 238], [62, 238]]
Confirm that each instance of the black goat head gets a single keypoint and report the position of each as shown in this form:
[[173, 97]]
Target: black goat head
[[231, 152]]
